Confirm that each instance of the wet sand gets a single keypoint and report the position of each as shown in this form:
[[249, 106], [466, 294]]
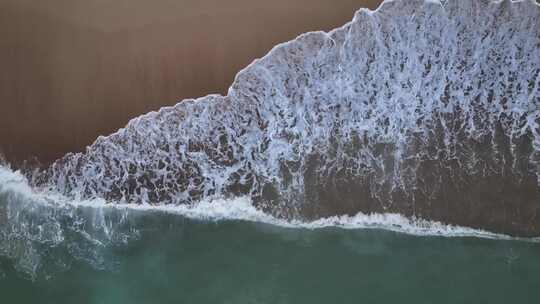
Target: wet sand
[[73, 70]]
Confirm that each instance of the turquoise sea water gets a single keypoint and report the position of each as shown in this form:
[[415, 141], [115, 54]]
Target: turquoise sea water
[[177, 260]]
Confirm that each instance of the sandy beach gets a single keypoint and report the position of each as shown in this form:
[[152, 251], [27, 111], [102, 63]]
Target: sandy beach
[[74, 70]]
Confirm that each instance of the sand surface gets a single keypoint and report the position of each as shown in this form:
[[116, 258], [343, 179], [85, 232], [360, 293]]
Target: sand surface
[[71, 70]]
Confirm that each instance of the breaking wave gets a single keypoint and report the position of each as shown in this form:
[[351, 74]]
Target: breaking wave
[[43, 233], [428, 109], [424, 108], [14, 187]]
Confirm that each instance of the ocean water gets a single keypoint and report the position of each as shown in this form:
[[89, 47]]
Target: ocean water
[[225, 251], [180, 260]]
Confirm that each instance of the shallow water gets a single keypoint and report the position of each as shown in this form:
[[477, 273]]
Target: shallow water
[[58, 251], [179, 260]]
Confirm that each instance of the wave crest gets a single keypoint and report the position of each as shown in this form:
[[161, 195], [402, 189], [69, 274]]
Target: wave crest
[[44, 233]]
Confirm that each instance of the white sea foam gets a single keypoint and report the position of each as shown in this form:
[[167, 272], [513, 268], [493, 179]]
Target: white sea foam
[[409, 105]]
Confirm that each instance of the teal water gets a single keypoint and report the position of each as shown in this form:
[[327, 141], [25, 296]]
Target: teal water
[[178, 260]]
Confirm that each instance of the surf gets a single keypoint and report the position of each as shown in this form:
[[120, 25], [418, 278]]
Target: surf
[[424, 108]]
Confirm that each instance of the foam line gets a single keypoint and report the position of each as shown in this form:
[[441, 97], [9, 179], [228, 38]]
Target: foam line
[[242, 209]]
